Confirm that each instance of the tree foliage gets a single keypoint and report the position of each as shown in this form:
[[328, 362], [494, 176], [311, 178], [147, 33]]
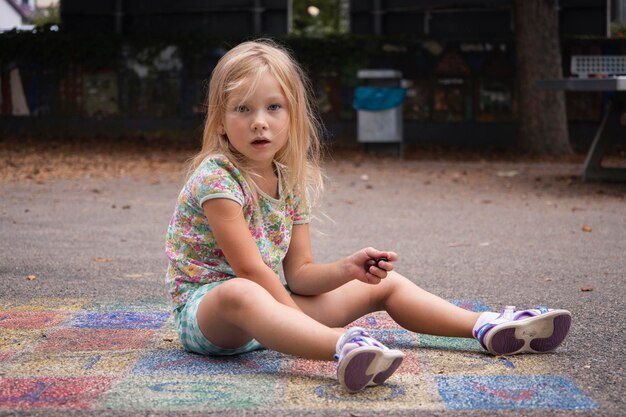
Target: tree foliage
[[331, 20], [47, 16]]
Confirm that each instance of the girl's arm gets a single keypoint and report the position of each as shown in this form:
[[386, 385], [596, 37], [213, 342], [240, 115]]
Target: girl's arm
[[305, 277], [233, 235]]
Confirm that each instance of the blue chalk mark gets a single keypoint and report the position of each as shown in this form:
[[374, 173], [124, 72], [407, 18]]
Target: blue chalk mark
[[471, 305], [512, 392], [395, 338], [178, 361], [91, 362], [33, 395], [145, 305], [119, 320], [486, 360], [210, 391]]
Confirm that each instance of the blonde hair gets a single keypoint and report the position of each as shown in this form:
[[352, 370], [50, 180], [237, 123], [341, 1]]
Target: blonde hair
[[302, 152]]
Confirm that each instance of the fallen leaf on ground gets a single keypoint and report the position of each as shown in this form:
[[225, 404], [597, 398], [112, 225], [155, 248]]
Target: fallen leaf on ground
[[98, 259], [511, 173], [586, 228], [457, 244], [586, 289], [31, 277]]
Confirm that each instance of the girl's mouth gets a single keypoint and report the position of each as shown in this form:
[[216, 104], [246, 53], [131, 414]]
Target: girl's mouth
[[260, 142]]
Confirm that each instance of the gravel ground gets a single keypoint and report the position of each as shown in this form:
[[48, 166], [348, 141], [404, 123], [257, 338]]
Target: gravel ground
[[88, 222]]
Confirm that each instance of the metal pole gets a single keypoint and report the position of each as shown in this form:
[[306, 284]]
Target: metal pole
[[289, 16], [378, 17], [608, 18], [257, 11], [621, 11], [119, 17]]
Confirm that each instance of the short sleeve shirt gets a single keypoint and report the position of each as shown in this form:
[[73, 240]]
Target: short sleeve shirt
[[195, 257]]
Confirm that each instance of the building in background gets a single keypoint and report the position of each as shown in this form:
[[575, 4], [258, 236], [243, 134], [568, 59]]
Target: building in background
[[142, 66], [16, 14], [474, 19], [202, 17]]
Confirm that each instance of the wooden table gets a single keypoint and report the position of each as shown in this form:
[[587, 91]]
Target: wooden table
[[609, 127]]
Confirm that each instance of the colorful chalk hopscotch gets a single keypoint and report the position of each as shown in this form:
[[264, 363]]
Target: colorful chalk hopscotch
[[76, 354]]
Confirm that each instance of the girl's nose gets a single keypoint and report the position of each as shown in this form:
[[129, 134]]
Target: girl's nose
[[259, 123]]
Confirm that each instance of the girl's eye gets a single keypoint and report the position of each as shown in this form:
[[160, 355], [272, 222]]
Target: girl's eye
[[241, 109], [274, 107]]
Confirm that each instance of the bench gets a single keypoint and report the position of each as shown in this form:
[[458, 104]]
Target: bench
[[598, 73]]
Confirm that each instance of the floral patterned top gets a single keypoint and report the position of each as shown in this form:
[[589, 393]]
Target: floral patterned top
[[195, 257]]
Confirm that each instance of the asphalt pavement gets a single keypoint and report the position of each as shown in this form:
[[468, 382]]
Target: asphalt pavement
[[505, 233]]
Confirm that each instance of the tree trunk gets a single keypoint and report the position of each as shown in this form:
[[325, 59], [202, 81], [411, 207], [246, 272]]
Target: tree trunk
[[542, 116]]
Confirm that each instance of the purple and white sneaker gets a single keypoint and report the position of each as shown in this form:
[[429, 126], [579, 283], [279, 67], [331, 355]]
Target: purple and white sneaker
[[364, 361], [537, 330]]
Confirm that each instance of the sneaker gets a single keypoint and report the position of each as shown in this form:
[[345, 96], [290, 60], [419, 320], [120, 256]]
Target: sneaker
[[537, 330], [364, 361]]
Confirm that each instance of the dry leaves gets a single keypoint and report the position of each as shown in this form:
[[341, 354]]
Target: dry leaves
[[44, 160], [31, 277], [139, 275], [586, 228], [99, 259], [457, 244], [508, 174], [586, 289]]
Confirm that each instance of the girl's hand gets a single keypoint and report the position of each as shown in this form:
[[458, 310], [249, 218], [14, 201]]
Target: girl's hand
[[372, 273]]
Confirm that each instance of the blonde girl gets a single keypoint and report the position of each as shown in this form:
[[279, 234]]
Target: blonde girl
[[243, 217]]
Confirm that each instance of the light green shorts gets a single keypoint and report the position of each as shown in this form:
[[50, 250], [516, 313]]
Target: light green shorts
[[190, 334]]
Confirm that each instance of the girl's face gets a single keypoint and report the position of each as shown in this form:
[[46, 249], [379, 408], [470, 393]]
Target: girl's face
[[257, 122]]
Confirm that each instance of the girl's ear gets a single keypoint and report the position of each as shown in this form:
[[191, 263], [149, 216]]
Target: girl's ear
[[221, 130]]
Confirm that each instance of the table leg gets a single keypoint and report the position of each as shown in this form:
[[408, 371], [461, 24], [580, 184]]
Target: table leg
[[593, 169]]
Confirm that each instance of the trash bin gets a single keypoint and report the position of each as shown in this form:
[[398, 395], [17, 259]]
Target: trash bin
[[379, 104]]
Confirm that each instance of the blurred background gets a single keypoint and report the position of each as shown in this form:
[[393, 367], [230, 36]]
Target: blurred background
[[121, 68]]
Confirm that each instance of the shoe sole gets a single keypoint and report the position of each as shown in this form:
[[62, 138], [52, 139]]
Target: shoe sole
[[539, 334], [367, 365]]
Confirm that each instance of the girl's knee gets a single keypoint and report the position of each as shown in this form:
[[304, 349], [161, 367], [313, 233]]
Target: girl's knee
[[393, 282], [237, 293]]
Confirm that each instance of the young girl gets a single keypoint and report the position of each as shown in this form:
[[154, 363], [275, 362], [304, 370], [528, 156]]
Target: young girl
[[243, 216]]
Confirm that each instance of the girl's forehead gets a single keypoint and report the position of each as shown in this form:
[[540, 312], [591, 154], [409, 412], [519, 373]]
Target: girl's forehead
[[266, 85]]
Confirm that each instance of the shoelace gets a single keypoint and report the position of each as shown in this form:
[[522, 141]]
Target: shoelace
[[365, 340], [508, 313]]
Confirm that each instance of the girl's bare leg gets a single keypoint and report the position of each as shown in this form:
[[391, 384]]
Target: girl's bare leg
[[409, 305], [239, 310]]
